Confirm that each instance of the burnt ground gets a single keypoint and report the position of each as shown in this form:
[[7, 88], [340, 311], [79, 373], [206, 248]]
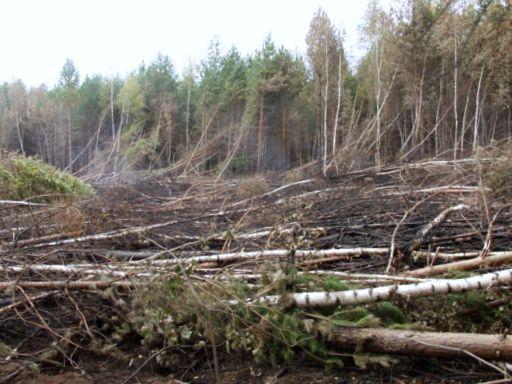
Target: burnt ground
[[201, 216]]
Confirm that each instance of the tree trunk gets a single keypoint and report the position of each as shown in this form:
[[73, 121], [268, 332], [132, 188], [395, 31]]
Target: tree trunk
[[455, 95], [326, 100], [261, 132], [371, 295], [427, 344], [70, 140], [337, 116], [477, 112], [18, 129]]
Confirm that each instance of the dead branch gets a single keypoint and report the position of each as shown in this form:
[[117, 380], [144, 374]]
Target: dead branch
[[427, 229]]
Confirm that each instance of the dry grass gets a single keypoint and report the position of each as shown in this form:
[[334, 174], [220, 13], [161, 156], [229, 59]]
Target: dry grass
[[253, 186]]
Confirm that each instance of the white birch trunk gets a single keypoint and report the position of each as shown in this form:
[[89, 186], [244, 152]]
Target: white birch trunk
[[255, 255], [336, 118], [477, 112], [455, 95], [370, 295], [326, 100]]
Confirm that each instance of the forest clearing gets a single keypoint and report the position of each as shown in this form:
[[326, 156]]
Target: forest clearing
[[173, 277], [271, 217]]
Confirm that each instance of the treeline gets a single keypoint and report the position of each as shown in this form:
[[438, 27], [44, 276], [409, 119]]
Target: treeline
[[436, 79]]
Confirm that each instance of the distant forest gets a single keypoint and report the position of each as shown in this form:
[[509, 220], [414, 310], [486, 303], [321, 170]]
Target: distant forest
[[436, 79]]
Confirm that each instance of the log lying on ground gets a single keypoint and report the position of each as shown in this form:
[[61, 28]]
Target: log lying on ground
[[492, 260], [370, 295], [426, 344], [442, 189], [84, 269], [107, 235], [66, 284], [276, 253], [21, 203]]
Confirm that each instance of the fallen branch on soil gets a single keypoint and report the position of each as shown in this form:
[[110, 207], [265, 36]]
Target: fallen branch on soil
[[12, 306], [426, 344], [491, 260], [21, 203], [106, 235], [370, 295], [66, 284], [427, 229], [255, 255]]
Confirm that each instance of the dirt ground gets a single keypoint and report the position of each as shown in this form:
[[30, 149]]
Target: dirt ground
[[316, 216]]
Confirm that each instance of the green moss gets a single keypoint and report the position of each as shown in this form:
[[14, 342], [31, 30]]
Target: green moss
[[23, 178], [352, 315], [332, 283], [389, 313]]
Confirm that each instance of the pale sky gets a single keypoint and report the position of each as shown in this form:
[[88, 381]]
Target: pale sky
[[115, 36]]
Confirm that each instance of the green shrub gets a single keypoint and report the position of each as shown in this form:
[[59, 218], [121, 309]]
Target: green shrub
[[29, 178]]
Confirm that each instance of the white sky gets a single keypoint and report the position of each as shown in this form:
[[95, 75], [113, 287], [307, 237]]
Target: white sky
[[115, 36]]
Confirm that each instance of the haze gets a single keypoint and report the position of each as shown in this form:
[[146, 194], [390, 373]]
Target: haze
[[110, 37]]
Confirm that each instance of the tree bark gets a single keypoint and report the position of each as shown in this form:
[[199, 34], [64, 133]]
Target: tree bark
[[427, 344], [261, 131], [465, 265], [371, 295]]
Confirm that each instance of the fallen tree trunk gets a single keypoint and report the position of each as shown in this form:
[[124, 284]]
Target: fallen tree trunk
[[65, 284], [428, 228], [300, 253], [426, 344], [370, 295], [494, 259], [21, 203]]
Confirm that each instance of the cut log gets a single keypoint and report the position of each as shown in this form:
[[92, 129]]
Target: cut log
[[426, 344]]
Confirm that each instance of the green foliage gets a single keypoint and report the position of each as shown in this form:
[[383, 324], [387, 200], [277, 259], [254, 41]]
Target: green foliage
[[350, 315], [389, 313], [141, 152], [499, 174], [29, 178], [333, 283], [240, 165]]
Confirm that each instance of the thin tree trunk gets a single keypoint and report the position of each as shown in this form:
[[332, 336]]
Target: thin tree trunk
[[455, 95], [326, 100], [70, 140], [187, 138], [261, 132], [18, 129], [377, 95], [477, 112], [113, 124], [336, 118], [438, 109]]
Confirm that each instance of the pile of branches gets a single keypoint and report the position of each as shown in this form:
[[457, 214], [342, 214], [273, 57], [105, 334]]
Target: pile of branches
[[301, 255]]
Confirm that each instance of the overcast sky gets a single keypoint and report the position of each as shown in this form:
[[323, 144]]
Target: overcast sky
[[115, 36]]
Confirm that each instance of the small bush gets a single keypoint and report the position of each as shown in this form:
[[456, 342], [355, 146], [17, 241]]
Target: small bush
[[29, 178], [293, 176], [253, 186]]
